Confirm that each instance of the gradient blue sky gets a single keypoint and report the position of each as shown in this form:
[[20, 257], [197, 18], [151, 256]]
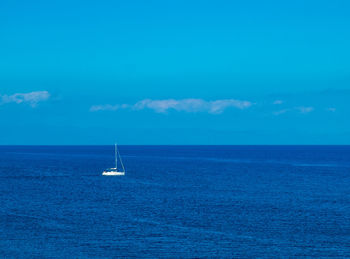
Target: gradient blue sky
[[174, 72]]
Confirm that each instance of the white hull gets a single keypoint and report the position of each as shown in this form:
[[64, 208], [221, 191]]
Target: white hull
[[113, 173]]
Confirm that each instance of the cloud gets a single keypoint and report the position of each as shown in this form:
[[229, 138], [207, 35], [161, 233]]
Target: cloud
[[281, 112], [220, 105], [106, 107], [32, 98], [278, 102], [182, 105], [331, 109], [304, 109], [301, 109]]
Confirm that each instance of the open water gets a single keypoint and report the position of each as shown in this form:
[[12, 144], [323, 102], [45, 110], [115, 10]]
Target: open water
[[175, 201]]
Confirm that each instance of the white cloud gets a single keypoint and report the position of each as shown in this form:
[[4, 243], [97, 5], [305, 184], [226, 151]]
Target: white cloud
[[301, 109], [331, 109], [185, 105], [304, 109], [220, 105], [278, 102], [32, 98], [106, 107], [281, 112]]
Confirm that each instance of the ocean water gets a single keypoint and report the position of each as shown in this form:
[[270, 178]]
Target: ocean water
[[175, 201]]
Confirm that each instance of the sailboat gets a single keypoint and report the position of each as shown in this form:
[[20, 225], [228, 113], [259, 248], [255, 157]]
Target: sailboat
[[114, 171]]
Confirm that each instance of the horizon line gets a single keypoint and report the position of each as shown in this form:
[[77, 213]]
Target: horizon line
[[43, 145]]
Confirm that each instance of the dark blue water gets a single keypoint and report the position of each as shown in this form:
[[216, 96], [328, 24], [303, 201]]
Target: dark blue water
[[175, 201]]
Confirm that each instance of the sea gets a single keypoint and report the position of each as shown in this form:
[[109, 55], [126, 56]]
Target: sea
[[175, 202]]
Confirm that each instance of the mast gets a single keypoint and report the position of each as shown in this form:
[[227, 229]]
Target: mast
[[115, 156]]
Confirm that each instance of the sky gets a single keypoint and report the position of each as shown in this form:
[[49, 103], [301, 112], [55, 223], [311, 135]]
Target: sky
[[174, 72]]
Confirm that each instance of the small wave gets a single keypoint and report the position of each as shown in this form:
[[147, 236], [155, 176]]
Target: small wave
[[193, 229], [319, 165], [252, 161]]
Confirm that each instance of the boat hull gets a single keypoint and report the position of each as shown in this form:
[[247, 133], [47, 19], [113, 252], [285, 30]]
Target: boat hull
[[113, 173]]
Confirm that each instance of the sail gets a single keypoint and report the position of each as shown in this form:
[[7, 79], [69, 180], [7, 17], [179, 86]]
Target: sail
[[121, 161], [117, 155]]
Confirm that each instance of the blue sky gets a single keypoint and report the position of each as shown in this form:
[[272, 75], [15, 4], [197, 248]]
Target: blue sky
[[174, 72]]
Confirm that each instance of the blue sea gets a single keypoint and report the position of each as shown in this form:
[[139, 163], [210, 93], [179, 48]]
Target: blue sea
[[175, 201]]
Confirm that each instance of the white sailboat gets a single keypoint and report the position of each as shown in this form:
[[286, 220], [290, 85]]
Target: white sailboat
[[114, 171]]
